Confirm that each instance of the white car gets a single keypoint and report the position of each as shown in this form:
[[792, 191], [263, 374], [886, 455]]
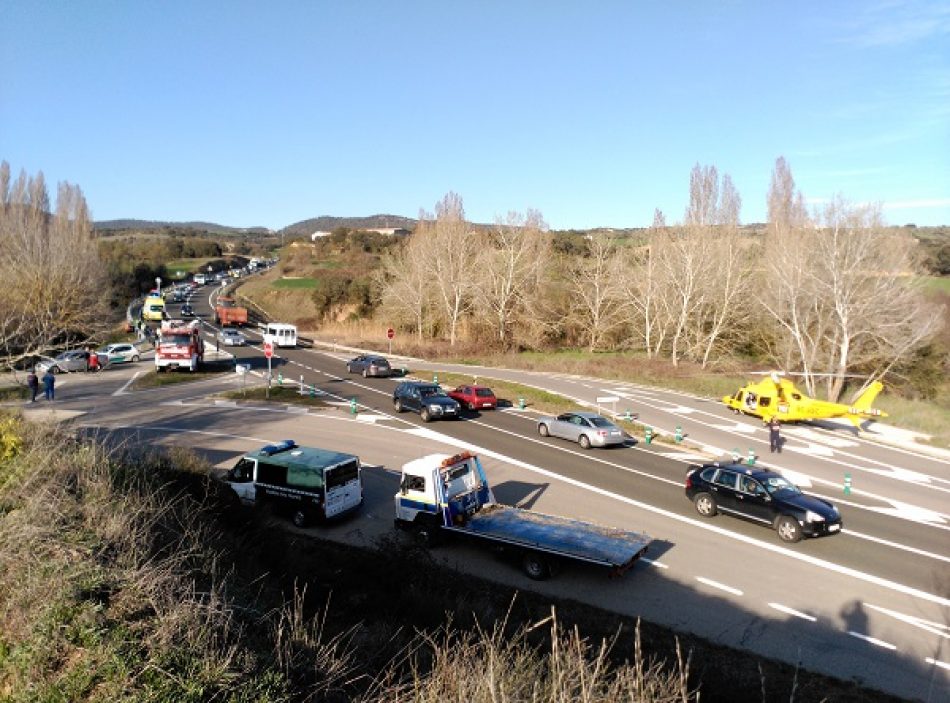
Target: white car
[[121, 352], [232, 338]]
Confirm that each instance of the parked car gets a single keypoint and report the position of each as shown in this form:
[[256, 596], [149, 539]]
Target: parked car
[[120, 353], [187, 310], [76, 360], [474, 397], [369, 365], [231, 338], [762, 496], [427, 399], [587, 429]]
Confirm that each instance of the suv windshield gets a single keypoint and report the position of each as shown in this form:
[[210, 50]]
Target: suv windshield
[[778, 484]]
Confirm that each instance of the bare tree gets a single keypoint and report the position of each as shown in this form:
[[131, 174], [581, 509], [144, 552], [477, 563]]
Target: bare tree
[[596, 291], [510, 271], [451, 260], [403, 278], [51, 277]]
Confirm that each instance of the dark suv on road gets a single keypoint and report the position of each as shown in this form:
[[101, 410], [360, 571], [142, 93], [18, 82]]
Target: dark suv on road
[[427, 399], [762, 496]]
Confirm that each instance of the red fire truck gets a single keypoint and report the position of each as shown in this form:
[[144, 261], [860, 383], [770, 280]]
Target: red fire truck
[[179, 346]]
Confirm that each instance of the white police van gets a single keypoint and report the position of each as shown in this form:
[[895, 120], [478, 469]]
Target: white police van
[[311, 484]]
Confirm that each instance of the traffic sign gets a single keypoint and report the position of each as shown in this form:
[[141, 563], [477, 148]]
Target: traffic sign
[[390, 333], [268, 349]]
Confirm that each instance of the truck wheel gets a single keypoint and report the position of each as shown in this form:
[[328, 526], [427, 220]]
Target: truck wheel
[[543, 430], [425, 415], [535, 566], [425, 536], [299, 518], [397, 404], [788, 529], [584, 442], [705, 505]]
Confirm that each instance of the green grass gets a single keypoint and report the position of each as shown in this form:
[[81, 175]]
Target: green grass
[[294, 283], [15, 393], [934, 283], [153, 379], [289, 393]]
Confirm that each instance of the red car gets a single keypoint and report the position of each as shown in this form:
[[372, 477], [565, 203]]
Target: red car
[[475, 397]]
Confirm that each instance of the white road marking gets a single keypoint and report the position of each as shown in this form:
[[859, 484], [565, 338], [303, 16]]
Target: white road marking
[[872, 640], [720, 586], [810, 449], [911, 512], [653, 562], [936, 628], [902, 475], [682, 410], [127, 384], [791, 611], [768, 546], [895, 545], [738, 427], [937, 662]]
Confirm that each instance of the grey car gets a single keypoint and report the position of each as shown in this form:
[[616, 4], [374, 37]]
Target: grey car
[[587, 429], [77, 360], [369, 365]]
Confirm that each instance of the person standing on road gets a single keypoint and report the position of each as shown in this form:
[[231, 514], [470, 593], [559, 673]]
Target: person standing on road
[[775, 437], [93, 360], [33, 383], [49, 385]]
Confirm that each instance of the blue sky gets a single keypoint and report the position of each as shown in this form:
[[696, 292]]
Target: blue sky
[[594, 113]]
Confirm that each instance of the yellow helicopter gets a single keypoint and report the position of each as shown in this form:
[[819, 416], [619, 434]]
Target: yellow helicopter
[[776, 397]]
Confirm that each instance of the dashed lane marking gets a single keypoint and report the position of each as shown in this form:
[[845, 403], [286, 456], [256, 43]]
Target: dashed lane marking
[[791, 611], [872, 640], [720, 586]]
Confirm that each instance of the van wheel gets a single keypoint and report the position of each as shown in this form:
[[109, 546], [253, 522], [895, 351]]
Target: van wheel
[[299, 518], [543, 430], [788, 529], [425, 415], [425, 536], [584, 442], [705, 505], [535, 566]]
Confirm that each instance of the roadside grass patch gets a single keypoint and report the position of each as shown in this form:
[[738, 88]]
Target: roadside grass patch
[[295, 283], [153, 379], [10, 393], [288, 393]]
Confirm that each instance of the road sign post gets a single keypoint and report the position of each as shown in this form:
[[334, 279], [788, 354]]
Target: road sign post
[[390, 333], [268, 352]]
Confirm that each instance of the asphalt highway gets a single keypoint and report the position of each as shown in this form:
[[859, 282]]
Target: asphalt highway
[[872, 603]]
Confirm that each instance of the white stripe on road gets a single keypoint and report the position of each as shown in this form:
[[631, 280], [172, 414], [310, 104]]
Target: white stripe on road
[[720, 586], [937, 662], [791, 611], [872, 640], [127, 384]]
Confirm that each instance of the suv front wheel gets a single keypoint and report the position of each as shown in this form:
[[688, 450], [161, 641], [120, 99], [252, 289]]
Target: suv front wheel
[[397, 404], [425, 415]]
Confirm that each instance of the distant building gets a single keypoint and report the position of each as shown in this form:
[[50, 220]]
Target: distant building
[[388, 231], [316, 235]]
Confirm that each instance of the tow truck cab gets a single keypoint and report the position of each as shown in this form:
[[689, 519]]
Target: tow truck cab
[[437, 491]]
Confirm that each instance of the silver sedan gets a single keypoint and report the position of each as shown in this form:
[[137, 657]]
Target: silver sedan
[[587, 429]]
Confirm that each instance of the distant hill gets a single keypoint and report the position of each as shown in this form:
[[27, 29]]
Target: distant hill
[[145, 225], [327, 223]]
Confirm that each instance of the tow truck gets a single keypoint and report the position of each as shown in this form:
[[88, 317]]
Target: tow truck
[[443, 495]]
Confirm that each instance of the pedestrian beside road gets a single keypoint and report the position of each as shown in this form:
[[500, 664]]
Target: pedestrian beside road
[[775, 437], [49, 385], [33, 383]]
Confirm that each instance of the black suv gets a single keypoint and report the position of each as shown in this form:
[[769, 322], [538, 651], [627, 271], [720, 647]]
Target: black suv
[[427, 399], [762, 496]]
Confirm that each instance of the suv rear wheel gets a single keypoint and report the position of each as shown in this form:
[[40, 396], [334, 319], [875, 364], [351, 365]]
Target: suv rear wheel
[[705, 505]]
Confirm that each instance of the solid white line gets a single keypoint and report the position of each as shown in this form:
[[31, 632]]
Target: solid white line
[[895, 545], [768, 546], [653, 562], [935, 628], [792, 611], [872, 640], [937, 662], [721, 586], [127, 383]]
